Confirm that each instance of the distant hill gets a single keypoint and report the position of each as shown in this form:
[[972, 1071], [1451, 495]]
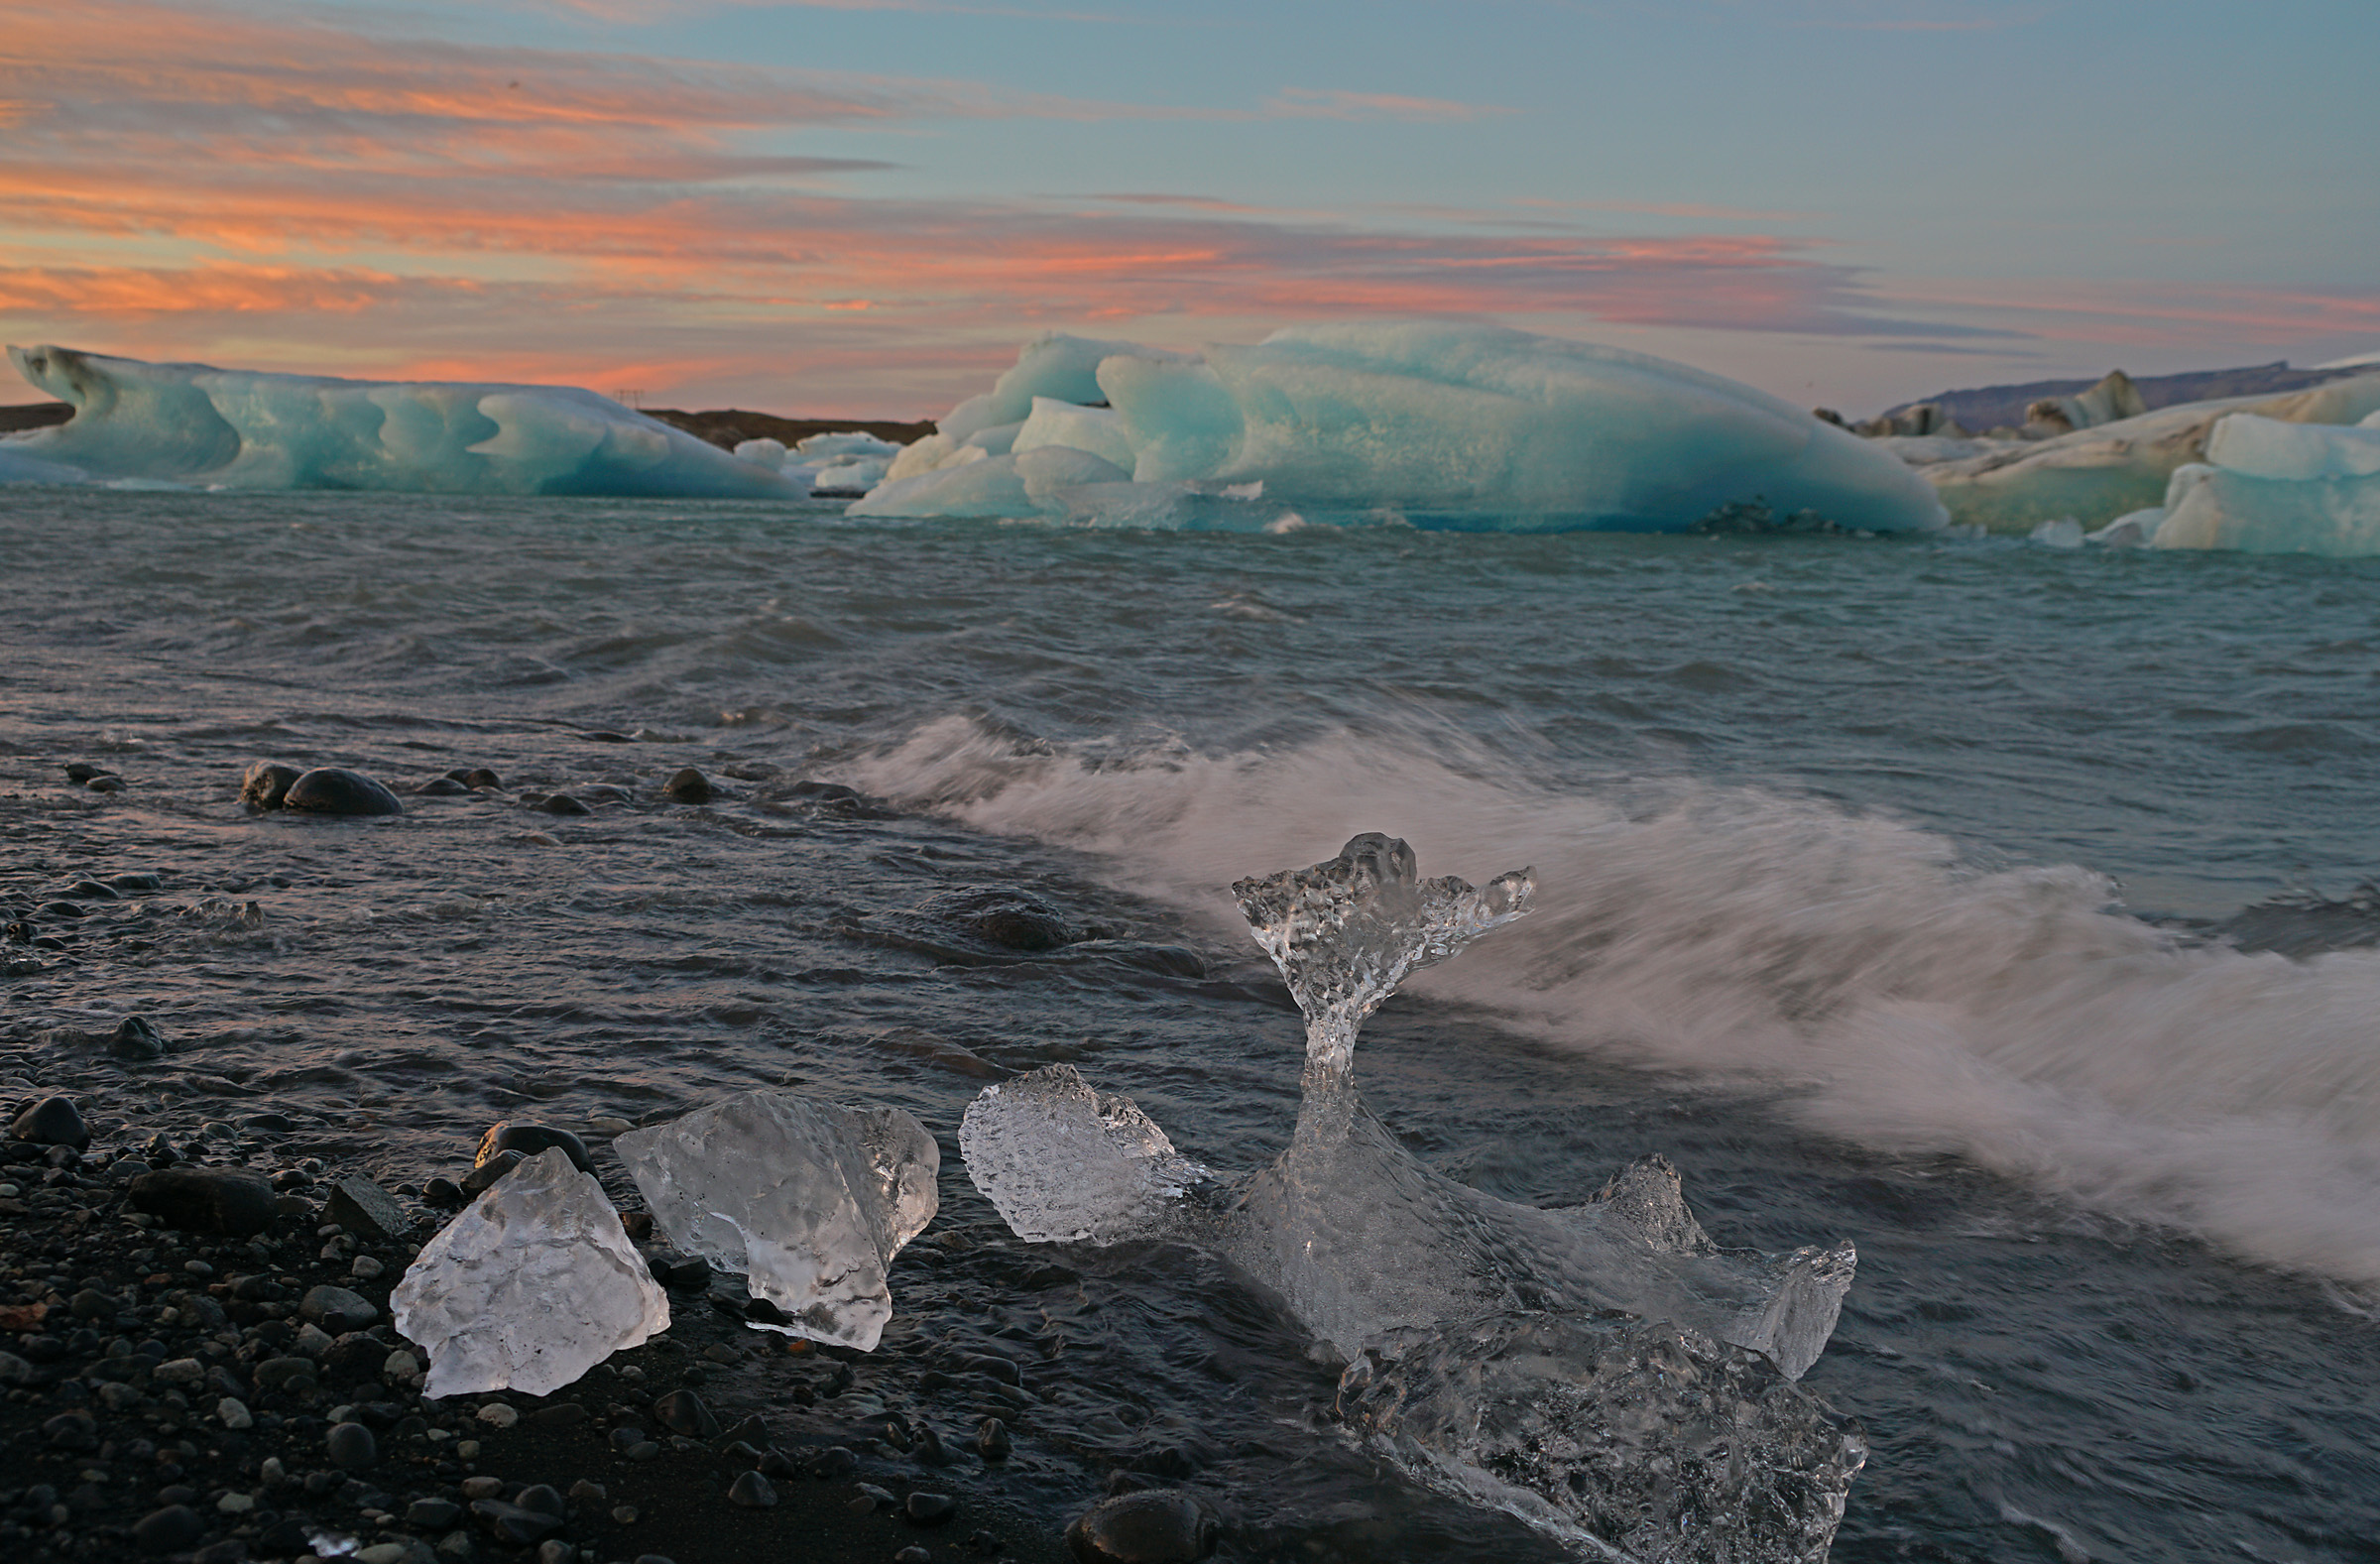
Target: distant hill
[[34, 416], [727, 427], [1998, 406]]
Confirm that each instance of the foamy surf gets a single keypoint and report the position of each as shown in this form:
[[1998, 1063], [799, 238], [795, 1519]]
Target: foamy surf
[[1905, 998]]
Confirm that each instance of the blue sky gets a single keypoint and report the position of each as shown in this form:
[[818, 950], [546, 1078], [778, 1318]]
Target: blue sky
[[861, 208]]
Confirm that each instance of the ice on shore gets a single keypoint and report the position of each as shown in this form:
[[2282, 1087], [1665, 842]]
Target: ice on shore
[[1436, 423], [1603, 1371], [1063, 1164], [1627, 1439], [2100, 473], [199, 426], [532, 1285], [807, 1200]]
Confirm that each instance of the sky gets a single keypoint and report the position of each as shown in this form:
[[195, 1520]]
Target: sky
[[863, 207]]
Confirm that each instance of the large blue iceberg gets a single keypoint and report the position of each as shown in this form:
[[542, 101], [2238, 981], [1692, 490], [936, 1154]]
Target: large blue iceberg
[[1434, 423], [192, 424]]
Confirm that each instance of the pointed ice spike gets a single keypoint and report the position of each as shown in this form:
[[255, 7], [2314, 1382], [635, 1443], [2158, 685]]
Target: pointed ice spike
[[1065, 1163], [1344, 933]]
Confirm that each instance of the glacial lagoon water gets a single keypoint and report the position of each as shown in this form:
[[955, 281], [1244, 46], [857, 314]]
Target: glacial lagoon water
[[1992, 906]]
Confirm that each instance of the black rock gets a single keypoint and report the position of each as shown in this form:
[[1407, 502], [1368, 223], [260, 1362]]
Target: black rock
[[67, 911], [914, 1554], [433, 1514], [1002, 1368], [171, 1530], [930, 1450], [478, 777], [688, 786], [227, 1200], [135, 1038], [685, 1274], [136, 883], [444, 1193], [366, 1210], [1157, 1526], [337, 1309], [91, 891], [81, 772], [441, 788], [626, 1437], [515, 1524], [284, 1538], [560, 804], [753, 1491], [485, 1175], [352, 1446], [231, 1551], [76, 1430], [267, 785], [682, 1412], [333, 790], [992, 1441], [930, 1509], [529, 1139], [836, 1461], [545, 1498], [54, 1121]]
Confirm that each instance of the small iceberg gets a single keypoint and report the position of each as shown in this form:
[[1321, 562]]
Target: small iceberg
[[2271, 488], [1435, 423], [1603, 1371], [197, 426]]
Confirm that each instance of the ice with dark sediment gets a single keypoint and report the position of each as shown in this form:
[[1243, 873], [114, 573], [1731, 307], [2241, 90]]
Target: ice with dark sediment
[[529, 1288], [1603, 1371], [807, 1200]]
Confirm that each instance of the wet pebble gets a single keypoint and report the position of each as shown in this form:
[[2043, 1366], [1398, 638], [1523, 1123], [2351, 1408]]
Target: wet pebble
[[992, 1440], [54, 1121], [171, 1530], [529, 1139], [337, 1309], [930, 1509], [441, 788], [751, 1491], [689, 785], [227, 1200], [914, 1554], [266, 785], [560, 804], [682, 1412], [335, 790], [352, 1446]]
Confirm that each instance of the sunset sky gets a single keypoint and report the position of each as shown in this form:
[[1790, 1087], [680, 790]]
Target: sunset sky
[[861, 206]]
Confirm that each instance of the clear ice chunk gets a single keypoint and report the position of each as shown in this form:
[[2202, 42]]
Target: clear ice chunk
[[1065, 1163], [1603, 1370], [532, 1285], [807, 1200], [1627, 1439]]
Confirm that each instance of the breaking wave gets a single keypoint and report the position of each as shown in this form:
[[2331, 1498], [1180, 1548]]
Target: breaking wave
[[1909, 1000]]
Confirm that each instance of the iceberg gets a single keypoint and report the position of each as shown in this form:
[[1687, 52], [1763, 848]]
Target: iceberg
[[2269, 487], [199, 426], [532, 1285], [2104, 471], [1438, 425], [1603, 1370], [807, 1200]]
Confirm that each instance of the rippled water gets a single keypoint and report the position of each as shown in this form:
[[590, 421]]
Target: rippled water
[[1891, 888]]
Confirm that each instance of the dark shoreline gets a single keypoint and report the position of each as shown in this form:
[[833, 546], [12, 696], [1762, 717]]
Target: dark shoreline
[[145, 1331]]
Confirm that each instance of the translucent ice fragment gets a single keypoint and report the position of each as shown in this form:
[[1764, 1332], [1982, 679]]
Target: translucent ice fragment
[[807, 1200], [1065, 1163], [1344, 933], [529, 1288], [1627, 1439]]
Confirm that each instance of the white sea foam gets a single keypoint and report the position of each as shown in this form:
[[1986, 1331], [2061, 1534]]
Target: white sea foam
[[2016, 1017]]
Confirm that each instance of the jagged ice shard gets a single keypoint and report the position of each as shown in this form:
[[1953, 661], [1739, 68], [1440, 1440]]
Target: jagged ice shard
[[1603, 1371], [1437, 423], [196, 425], [807, 1200], [532, 1285]]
